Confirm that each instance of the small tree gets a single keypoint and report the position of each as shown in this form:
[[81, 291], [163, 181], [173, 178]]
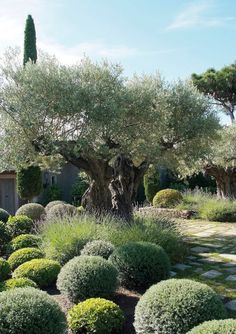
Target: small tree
[[30, 50], [29, 182]]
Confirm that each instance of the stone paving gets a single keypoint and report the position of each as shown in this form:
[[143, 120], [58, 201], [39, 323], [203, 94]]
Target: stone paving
[[212, 257]]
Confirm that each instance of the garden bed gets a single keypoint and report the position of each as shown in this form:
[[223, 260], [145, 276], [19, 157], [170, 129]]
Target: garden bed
[[171, 213]]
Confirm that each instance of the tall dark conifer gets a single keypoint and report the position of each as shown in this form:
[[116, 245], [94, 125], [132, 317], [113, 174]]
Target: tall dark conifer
[[30, 50]]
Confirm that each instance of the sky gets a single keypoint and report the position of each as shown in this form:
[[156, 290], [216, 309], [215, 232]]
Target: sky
[[174, 37]]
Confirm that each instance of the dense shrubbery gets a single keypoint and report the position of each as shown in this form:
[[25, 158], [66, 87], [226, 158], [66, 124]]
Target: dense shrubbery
[[4, 236], [151, 183], [34, 211], [167, 198], [175, 306], [64, 238], [23, 255], [4, 215], [30, 311], [216, 327], [29, 182], [61, 210], [218, 210], [98, 248], [17, 225], [44, 272], [52, 203], [141, 264], [13, 283], [23, 241], [53, 193], [87, 276], [5, 269], [96, 315]]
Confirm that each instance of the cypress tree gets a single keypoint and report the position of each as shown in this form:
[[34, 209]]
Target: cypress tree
[[30, 50]]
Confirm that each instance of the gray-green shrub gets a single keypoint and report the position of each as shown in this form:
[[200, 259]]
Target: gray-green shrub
[[98, 248], [175, 306], [30, 311], [52, 203], [141, 264], [216, 327], [34, 211], [87, 276], [61, 210]]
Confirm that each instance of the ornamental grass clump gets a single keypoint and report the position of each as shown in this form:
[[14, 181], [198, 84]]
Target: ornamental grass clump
[[30, 311], [140, 264], [34, 211], [167, 198], [13, 283], [227, 326], [98, 248], [23, 255], [175, 306], [44, 272], [86, 277], [95, 315], [18, 225]]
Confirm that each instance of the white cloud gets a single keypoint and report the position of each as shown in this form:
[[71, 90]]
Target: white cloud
[[197, 15]]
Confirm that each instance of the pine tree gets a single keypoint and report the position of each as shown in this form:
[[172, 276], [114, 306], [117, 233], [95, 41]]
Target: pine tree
[[30, 50]]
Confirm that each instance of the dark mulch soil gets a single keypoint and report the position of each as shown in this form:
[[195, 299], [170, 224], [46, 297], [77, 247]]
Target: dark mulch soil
[[126, 299]]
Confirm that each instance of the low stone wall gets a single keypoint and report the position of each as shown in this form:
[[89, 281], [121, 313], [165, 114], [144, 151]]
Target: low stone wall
[[172, 213]]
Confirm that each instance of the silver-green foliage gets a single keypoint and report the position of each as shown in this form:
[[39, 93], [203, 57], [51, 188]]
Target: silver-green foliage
[[98, 248], [215, 327], [34, 211]]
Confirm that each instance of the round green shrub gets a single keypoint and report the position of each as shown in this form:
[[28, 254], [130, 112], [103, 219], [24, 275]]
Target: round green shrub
[[23, 255], [30, 311], [23, 241], [95, 315], [61, 210], [87, 276], [4, 236], [34, 211], [175, 306], [44, 272], [18, 225], [141, 264], [52, 203], [5, 269], [216, 327], [13, 283], [167, 198], [98, 248], [4, 215]]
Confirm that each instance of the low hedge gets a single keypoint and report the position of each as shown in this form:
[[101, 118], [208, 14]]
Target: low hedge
[[5, 269], [23, 241], [18, 225], [30, 311], [87, 276], [175, 306], [216, 327], [141, 264], [44, 272], [98, 248], [13, 283], [34, 211], [23, 255], [167, 198], [95, 315]]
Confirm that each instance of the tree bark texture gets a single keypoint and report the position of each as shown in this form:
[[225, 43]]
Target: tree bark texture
[[225, 180]]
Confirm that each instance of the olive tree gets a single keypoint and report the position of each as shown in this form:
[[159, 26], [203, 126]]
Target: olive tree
[[111, 127]]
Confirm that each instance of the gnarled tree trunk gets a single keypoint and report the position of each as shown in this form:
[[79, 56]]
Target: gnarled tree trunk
[[225, 180]]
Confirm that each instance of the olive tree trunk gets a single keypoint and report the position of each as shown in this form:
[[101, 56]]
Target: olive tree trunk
[[225, 180]]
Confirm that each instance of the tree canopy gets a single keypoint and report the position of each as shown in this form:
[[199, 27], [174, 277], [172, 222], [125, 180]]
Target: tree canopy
[[30, 50]]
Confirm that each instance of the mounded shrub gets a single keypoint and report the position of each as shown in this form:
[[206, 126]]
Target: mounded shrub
[[18, 225], [4, 236], [4, 215], [13, 283], [44, 272], [141, 264], [87, 276], [30, 311], [175, 306], [61, 210], [5, 269], [34, 211], [80, 209], [23, 255], [167, 198], [52, 203], [218, 210], [23, 241], [95, 315], [98, 248], [216, 327]]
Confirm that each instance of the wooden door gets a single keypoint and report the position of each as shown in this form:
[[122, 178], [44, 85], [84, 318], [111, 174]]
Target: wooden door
[[8, 195]]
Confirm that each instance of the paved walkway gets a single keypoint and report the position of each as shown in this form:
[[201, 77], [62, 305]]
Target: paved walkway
[[212, 257]]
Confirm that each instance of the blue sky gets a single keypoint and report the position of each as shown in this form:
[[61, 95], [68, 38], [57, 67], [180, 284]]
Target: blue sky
[[175, 37]]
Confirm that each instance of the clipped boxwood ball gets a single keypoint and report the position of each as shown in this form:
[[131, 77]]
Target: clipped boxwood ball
[[141, 264], [23, 255], [98, 247], [44, 272], [13, 283], [95, 315], [4, 215], [61, 210], [52, 203], [23, 241], [30, 311], [4, 236], [175, 306], [34, 211], [17, 225], [5, 269], [216, 327], [167, 198], [87, 276]]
